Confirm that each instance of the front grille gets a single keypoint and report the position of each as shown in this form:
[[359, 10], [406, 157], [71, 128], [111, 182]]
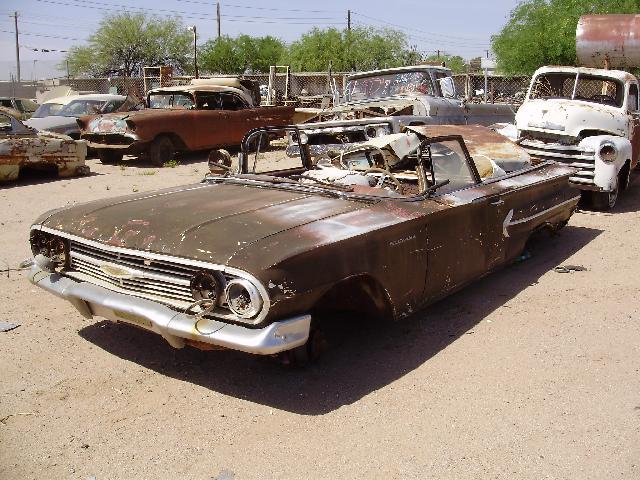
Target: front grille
[[149, 278], [573, 155]]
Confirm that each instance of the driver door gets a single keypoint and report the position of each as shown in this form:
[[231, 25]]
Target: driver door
[[466, 240]]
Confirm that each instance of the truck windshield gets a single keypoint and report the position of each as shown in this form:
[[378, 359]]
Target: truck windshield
[[574, 86], [387, 85]]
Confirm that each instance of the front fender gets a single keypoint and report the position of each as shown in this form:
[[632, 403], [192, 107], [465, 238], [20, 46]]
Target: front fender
[[606, 173]]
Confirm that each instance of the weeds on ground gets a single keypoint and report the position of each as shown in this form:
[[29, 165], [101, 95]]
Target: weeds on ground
[[171, 164], [148, 172], [122, 166]]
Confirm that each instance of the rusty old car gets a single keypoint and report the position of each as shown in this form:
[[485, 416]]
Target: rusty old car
[[207, 113], [248, 257], [21, 146]]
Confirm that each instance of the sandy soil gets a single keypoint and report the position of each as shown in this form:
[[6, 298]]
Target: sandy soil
[[528, 373]]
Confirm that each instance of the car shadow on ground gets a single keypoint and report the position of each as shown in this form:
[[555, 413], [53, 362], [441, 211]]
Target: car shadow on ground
[[182, 158], [363, 356], [40, 176]]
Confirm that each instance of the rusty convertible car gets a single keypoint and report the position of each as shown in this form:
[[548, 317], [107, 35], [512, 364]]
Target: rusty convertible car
[[206, 114], [245, 259]]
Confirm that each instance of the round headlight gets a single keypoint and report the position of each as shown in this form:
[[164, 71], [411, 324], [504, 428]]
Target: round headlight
[[39, 243], [59, 251], [55, 249], [370, 132], [608, 152], [205, 286], [243, 298]]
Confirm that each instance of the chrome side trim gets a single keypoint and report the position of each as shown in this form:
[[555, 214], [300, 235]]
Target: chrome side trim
[[266, 302], [575, 199], [175, 327]]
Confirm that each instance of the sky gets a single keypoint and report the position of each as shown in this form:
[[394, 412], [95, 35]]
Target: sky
[[454, 27]]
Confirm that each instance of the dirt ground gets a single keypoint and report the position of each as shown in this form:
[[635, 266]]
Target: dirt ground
[[528, 373]]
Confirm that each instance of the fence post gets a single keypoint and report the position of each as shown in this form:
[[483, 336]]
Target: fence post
[[272, 81]]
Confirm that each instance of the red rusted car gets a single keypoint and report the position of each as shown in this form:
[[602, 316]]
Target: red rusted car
[[206, 114]]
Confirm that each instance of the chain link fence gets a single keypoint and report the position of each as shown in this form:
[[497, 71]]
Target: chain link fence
[[312, 89]]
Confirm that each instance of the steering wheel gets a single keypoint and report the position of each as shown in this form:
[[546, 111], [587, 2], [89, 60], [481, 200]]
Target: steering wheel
[[603, 98], [385, 174]]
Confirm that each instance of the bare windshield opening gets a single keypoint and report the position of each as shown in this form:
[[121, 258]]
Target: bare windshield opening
[[388, 85], [588, 88], [171, 100]]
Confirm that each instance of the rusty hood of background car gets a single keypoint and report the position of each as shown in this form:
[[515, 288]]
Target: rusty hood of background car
[[211, 222], [114, 122]]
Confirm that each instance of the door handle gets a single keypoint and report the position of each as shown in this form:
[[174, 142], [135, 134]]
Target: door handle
[[497, 203]]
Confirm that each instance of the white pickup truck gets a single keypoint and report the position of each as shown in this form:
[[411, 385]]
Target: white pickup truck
[[587, 118]]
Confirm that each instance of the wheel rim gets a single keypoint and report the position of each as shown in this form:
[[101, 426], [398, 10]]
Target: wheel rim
[[613, 196]]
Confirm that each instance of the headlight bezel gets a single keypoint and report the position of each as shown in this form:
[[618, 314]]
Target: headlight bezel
[[610, 155], [208, 285], [255, 298], [53, 247]]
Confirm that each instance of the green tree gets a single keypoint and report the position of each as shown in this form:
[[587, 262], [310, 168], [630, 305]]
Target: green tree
[[543, 32], [241, 54], [455, 62], [359, 49], [126, 42]]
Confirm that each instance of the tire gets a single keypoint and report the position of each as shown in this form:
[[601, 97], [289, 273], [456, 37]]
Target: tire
[[312, 350], [161, 151], [624, 177], [110, 157], [605, 200]]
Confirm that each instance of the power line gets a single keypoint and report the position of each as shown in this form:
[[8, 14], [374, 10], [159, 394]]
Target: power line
[[446, 43], [45, 36], [402, 27], [209, 16], [250, 7]]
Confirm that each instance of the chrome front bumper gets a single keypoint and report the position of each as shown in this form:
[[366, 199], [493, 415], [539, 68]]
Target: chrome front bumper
[[175, 327]]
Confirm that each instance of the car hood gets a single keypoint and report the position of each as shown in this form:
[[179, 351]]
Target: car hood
[[387, 105], [207, 222], [570, 117], [116, 122], [52, 122]]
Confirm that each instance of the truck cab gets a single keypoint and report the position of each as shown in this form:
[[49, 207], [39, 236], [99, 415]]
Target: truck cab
[[382, 102], [588, 118]]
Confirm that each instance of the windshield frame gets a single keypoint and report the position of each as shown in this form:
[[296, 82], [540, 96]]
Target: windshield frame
[[268, 179], [97, 103], [172, 95], [390, 78], [577, 77]]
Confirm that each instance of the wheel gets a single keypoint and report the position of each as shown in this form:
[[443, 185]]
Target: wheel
[[605, 200], [624, 177], [109, 157], [310, 351], [161, 151]]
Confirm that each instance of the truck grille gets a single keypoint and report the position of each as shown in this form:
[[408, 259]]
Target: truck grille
[[137, 275], [581, 158]]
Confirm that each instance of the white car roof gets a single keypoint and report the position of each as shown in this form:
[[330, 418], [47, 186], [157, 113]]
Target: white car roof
[[105, 97], [600, 72]]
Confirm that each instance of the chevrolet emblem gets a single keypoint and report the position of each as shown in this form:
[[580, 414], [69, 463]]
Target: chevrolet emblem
[[117, 272]]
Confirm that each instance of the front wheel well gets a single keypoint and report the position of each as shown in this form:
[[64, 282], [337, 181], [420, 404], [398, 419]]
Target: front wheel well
[[361, 294], [177, 142]]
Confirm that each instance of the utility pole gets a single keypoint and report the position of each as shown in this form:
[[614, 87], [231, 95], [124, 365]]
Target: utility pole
[[195, 51], [218, 16], [349, 20], [15, 19]]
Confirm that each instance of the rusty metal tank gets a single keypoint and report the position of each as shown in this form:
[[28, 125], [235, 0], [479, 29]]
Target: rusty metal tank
[[608, 41]]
